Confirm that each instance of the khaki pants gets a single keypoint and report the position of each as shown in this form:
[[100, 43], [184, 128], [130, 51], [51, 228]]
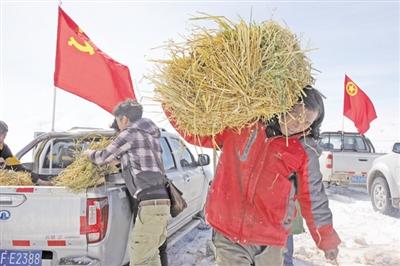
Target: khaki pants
[[229, 253], [149, 233]]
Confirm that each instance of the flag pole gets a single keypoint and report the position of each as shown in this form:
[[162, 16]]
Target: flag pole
[[52, 127], [342, 123], [53, 119], [342, 138], [54, 109]]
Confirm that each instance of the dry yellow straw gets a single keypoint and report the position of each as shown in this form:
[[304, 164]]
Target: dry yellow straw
[[13, 178], [82, 173], [232, 76]]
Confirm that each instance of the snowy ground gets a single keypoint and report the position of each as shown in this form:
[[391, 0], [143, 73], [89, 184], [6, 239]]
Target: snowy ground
[[368, 237]]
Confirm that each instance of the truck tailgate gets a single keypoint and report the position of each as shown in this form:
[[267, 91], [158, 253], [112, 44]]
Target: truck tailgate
[[42, 218], [353, 161], [353, 164]]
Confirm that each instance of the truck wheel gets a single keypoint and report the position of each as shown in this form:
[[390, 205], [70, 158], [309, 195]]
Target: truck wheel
[[380, 196]]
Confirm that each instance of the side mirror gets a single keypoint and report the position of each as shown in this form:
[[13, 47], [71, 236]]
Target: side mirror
[[396, 147], [204, 159]]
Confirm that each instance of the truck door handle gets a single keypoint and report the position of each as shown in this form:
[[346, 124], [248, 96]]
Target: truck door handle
[[363, 160], [12, 200], [5, 201]]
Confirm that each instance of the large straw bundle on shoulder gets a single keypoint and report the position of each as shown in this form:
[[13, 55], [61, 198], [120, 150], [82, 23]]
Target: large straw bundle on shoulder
[[82, 173], [232, 76], [13, 178]]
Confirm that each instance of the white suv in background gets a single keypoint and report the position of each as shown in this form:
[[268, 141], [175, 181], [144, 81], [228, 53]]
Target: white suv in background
[[384, 182]]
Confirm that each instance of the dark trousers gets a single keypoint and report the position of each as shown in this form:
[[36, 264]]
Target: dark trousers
[[163, 254], [288, 255]]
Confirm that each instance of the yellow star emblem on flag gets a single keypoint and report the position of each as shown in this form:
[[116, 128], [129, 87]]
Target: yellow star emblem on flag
[[351, 89]]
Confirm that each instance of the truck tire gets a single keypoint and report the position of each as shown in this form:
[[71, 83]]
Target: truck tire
[[380, 196]]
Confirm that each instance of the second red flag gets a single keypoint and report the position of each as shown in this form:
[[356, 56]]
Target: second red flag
[[357, 106]]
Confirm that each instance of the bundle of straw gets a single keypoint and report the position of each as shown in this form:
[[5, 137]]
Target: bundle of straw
[[82, 173], [13, 178], [231, 77]]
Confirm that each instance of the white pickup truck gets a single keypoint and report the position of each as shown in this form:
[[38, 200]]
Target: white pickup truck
[[49, 225], [346, 158]]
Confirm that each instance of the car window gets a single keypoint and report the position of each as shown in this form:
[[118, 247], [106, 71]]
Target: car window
[[336, 142], [182, 153], [167, 157], [61, 154], [28, 156], [360, 144], [324, 143], [355, 143], [64, 151]]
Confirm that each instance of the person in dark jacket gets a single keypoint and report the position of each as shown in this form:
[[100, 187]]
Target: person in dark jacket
[[7, 159], [255, 173], [138, 147]]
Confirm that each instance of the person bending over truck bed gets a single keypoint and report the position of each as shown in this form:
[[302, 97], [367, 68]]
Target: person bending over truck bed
[[138, 148], [135, 207]]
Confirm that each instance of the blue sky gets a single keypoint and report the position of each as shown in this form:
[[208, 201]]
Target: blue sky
[[359, 38]]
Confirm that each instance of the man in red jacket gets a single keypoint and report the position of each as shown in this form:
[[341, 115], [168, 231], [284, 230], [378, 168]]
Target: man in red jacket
[[262, 170]]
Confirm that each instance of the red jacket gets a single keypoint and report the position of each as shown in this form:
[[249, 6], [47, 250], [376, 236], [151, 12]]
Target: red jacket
[[251, 200]]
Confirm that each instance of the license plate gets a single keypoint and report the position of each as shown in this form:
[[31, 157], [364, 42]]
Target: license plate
[[20, 257], [358, 179]]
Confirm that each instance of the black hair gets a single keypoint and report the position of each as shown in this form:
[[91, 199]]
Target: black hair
[[129, 108], [114, 125], [273, 129], [3, 127], [312, 100]]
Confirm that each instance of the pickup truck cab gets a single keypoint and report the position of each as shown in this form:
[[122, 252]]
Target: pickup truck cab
[[384, 182], [50, 225], [346, 158]]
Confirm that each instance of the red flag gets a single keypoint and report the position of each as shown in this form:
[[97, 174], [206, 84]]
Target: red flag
[[86, 71], [357, 106]]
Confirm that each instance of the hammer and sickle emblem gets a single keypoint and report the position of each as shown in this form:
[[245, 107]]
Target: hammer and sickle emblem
[[85, 48], [351, 89]]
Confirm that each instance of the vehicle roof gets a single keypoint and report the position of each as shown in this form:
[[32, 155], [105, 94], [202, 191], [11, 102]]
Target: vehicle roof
[[340, 132], [77, 132]]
